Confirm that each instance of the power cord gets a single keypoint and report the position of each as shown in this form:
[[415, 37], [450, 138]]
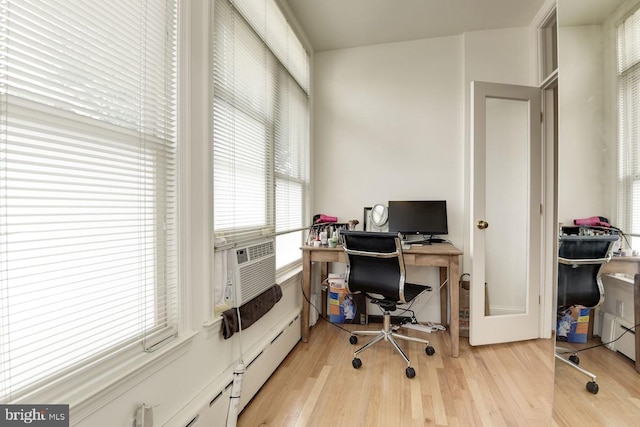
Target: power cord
[[403, 310], [319, 313], [632, 329]]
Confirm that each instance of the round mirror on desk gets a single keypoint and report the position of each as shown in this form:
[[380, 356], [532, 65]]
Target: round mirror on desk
[[379, 217]]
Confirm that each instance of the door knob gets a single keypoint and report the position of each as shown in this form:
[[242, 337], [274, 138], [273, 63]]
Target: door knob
[[482, 224]]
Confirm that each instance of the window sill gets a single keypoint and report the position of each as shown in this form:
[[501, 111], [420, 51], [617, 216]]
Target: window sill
[[97, 385], [626, 279], [285, 277]]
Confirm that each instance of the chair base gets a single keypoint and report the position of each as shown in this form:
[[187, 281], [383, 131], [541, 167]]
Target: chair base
[[387, 333], [592, 386]]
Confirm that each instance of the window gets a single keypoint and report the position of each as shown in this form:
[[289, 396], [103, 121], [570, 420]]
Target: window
[[629, 127], [260, 127], [87, 185]]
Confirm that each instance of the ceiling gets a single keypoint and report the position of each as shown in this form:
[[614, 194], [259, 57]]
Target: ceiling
[[585, 12], [338, 24]]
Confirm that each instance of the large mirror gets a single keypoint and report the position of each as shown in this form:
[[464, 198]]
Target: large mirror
[[587, 173], [506, 150]]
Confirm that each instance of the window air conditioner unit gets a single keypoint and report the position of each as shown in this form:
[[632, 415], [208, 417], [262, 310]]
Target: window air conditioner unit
[[254, 270]]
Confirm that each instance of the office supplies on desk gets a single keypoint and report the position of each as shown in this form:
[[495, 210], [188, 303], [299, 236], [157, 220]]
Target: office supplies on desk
[[580, 260], [375, 267]]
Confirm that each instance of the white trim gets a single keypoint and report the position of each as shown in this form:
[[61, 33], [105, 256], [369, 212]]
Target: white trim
[[287, 273], [534, 30], [99, 384], [184, 166], [83, 402]]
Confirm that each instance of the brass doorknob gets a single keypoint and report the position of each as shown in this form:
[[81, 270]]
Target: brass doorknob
[[482, 224]]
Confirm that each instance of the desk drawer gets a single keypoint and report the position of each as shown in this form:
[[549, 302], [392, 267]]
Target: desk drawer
[[426, 260]]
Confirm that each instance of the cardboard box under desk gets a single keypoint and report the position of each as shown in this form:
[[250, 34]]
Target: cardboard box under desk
[[573, 325], [345, 307]]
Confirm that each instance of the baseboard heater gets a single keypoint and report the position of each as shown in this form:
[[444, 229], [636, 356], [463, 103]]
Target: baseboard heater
[[210, 407], [614, 327]]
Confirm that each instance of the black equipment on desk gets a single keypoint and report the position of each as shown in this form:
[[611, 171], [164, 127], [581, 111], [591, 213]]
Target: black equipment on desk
[[418, 217]]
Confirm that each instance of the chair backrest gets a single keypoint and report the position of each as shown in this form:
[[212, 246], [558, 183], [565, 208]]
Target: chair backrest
[[374, 263], [580, 259]]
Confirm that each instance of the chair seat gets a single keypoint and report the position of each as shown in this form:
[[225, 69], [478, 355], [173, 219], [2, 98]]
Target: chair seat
[[411, 290]]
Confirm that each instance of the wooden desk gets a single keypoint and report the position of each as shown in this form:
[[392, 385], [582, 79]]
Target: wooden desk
[[629, 265], [442, 255]]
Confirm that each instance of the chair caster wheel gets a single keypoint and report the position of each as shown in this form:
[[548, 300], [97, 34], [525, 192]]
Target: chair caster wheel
[[353, 339], [410, 372], [357, 363], [574, 359], [430, 350], [592, 387]]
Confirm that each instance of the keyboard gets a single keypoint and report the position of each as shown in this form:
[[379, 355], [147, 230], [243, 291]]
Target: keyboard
[[437, 240], [418, 242], [424, 241]]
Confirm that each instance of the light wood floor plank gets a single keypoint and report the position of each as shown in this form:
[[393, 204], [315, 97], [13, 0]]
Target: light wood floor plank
[[317, 386], [492, 385], [616, 403]]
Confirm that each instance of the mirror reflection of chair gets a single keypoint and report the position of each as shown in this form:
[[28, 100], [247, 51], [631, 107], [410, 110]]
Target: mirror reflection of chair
[[375, 267], [580, 259]]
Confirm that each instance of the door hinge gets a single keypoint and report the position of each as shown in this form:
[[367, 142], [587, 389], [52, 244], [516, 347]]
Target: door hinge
[[541, 117]]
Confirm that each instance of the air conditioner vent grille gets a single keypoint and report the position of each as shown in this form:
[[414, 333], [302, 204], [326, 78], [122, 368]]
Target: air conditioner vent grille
[[261, 250], [256, 278], [254, 270]]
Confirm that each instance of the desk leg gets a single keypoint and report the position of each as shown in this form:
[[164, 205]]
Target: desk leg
[[454, 305], [306, 294], [324, 273], [444, 295], [636, 313]]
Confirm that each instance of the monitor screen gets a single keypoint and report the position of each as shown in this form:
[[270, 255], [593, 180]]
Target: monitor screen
[[428, 217]]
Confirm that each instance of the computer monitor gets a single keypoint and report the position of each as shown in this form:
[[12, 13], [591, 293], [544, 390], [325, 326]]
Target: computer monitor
[[422, 217]]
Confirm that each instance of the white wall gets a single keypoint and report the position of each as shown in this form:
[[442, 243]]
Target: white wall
[[583, 148], [388, 126], [391, 123]]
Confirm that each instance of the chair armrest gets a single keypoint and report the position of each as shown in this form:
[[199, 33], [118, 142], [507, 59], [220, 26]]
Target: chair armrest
[[372, 254], [570, 261]]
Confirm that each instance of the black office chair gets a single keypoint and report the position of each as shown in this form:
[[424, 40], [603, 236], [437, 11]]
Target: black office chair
[[375, 267], [580, 259]]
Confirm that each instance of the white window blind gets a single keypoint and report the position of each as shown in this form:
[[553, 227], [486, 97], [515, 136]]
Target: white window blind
[[629, 126], [87, 184], [260, 123]]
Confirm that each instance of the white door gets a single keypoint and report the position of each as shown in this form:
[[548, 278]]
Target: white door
[[506, 228]]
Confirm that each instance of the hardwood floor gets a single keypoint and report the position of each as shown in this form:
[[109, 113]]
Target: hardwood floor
[[498, 385], [618, 400]]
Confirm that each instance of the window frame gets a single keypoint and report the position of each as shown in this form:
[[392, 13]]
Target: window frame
[[283, 78], [85, 389], [627, 77]]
